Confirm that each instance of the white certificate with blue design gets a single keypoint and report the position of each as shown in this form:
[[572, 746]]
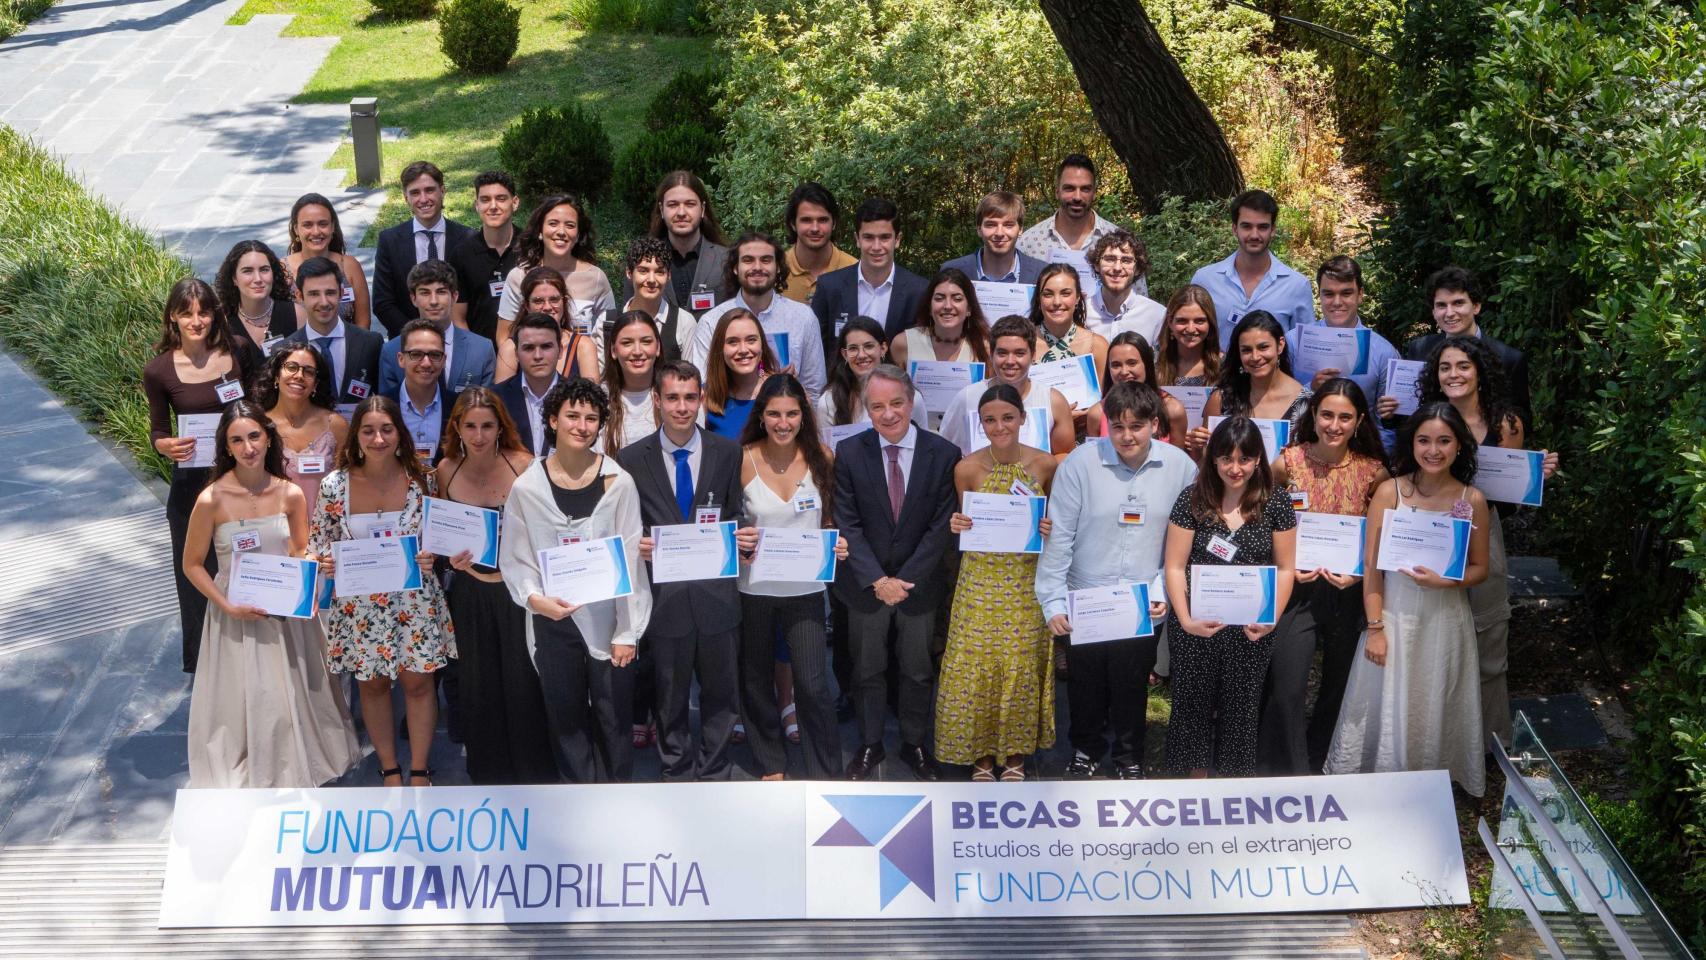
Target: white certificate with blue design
[[1193, 399], [694, 551], [376, 565], [1320, 347], [203, 428], [282, 586], [448, 528], [1511, 476], [1117, 612], [1403, 380], [586, 572], [779, 346], [792, 555], [942, 380], [1275, 433], [1234, 595], [1075, 377], [1332, 542], [1003, 299], [1410, 539], [1003, 523]]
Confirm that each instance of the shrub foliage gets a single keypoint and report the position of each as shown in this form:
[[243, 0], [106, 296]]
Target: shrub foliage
[[404, 9], [479, 36], [550, 149]]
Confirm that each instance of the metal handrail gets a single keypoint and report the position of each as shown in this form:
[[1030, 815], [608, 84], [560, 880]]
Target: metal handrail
[[1503, 866]]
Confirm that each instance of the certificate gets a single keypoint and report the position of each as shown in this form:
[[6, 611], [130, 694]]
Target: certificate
[[586, 572], [1080, 261], [1039, 422], [448, 528], [1100, 614], [1074, 377], [282, 586], [694, 551], [1275, 433], [841, 431], [1003, 299], [1433, 540], [1511, 476], [1003, 523], [1331, 542], [204, 429], [942, 380], [792, 555], [779, 346], [1234, 595], [1403, 380], [377, 565], [1320, 347], [1193, 399], [347, 411]]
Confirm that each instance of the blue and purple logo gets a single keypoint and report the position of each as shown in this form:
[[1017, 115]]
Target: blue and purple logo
[[905, 850]]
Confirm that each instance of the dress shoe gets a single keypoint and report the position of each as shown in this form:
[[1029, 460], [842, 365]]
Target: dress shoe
[[1133, 771], [866, 761], [1080, 767], [922, 764]]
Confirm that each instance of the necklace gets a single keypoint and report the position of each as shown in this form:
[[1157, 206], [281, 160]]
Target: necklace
[[265, 316], [765, 456], [993, 463]]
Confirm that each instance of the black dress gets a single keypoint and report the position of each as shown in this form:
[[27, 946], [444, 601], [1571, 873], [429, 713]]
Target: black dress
[[1217, 681]]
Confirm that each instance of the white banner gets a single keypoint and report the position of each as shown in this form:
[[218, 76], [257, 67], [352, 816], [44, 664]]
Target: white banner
[[801, 850]]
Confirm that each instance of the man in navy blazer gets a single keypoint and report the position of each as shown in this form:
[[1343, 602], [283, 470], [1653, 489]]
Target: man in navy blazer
[[470, 360], [999, 259], [875, 287], [538, 344], [429, 235], [894, 495], [352, 352], [1454, 295]]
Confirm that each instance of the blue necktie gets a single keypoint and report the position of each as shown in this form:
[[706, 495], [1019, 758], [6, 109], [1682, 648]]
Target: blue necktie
[[325, 345], [683, 484]]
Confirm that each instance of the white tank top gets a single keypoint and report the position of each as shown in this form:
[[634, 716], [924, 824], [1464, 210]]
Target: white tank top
[[766, 509]]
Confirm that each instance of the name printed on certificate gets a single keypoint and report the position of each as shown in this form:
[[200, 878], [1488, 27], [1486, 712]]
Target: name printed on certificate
[[942, 380], [587, 571], [1039, 423], [448, 528], [1320, 347], [1003, 523], [1403, 380], [1275, 433], [1193, 399], [204, 429], [282, 586], [694, 551], [1234, 595], [792, 555], [1433, 540], [1001, 299], [1511, 476], [1116, 612], [1074, 377], [1332, 542], [376, 565]]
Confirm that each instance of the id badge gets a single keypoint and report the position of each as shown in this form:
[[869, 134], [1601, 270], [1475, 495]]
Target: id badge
[[1299, 499], [704, 515], [245, 540], [347, 295], [380, 531], [565, 539], [229, 390], [424, 453], [805, 502], [1222, 548], [311, 465], [496, 289], [1021, 489], [268, 346], [702, 300], [1131, 515], [359, 389]]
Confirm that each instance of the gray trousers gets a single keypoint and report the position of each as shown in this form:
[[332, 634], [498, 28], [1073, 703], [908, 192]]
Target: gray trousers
[[912, 637], [800, 621]]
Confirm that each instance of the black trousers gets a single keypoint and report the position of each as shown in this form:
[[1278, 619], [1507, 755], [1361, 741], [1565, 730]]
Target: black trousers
[[587, 703], [800, 619], [913, 635], [841, 645], [1107, 692], [1320, 615], [187, 484], [714, 659]]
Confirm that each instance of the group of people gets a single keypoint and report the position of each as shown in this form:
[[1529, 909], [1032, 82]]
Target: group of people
[[769, 386]]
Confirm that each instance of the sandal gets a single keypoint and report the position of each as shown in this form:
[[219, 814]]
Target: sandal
[[1014, 774], [983, 774], [739, 733], [392, 772], [640, 738], [423, 774], [790, 723]]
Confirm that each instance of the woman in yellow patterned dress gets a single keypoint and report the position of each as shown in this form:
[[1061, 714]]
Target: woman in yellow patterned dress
[[996, 695]]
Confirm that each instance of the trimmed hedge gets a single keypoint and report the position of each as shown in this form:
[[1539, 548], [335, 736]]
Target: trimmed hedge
[[552, 149], [479, 36], [81, 293]]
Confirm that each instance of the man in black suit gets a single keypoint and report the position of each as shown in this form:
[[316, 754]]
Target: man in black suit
[[538, 344], [350, 353], [875, 287], [894, 494], [429, 235], [686, 474], [421, 394], [1455, 296]]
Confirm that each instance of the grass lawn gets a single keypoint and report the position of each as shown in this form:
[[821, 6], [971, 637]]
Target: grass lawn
[[456, 120], [15, 15]]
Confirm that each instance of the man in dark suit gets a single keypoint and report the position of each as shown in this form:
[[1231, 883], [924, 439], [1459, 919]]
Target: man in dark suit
[[538, 344], [686, 474], [429, 235], [351, 353], [998, 260], [875, 287], [421, 394], [469, 360], [1456, 299], [894, 494]]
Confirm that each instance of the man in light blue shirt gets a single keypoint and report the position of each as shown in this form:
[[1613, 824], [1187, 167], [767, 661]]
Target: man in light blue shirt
[[1109, 505], [1340, 283], [1252, 278]]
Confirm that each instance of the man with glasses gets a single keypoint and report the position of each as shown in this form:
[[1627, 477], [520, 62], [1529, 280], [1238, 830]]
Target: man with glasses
[[351, 353], [1121, 262], [469, 359], [421, 394]]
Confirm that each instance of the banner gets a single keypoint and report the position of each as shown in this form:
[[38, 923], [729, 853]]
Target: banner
[[1542, 871], [797, 850]]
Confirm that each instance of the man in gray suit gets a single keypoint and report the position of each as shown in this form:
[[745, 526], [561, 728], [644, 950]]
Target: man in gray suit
[[686, 474], [351, 353], [699, 253], [469, 359]]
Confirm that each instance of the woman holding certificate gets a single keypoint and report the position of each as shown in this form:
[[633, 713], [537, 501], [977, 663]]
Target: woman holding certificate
[[739, 360], [1130, 360], [788, 480], [995, 699], [377, 493], [570, 554], [950, 327], [1236, 533], [498, 696], [1256, 381], [1413, 701], [299, 400], [264, 711]]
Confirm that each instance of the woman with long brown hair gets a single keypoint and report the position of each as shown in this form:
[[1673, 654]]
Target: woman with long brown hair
[[739, 360], [950, 325], [559, 236], [315, 232]]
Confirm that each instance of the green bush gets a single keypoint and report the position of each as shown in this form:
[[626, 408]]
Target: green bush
[[15, 15], [639, 16], [550, 149], [685, 146], [404, 9], [479, 36], [81, 293], [689, 97]]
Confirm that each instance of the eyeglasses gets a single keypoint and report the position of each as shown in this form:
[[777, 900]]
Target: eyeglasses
[[430, 356], [1118, 261], [301, 370]]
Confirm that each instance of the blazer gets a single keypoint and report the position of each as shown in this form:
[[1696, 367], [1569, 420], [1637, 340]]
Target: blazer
[[1515, 363], [361, 359], [512, 393], [392, 262], [446, 400], [879, 547], [710, 270], [838, 293], [1029, 267], [703, 606], [473, 362]]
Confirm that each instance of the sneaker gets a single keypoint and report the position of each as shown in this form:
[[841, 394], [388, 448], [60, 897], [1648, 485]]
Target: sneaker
[[1132, 772], [1081, 768]]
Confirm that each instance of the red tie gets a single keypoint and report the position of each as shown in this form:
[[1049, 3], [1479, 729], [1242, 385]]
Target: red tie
[[897, 483]]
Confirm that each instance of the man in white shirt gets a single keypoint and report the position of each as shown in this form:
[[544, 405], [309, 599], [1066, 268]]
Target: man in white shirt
[[1012, 349], [1120, 261], [1066, 236], [755, 265]]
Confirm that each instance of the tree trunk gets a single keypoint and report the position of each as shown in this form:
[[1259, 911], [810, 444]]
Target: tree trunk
[[1157, 124]]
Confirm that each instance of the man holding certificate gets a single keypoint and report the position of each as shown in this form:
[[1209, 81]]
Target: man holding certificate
[[1108, 530], [689, 477], [1339, 344]]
